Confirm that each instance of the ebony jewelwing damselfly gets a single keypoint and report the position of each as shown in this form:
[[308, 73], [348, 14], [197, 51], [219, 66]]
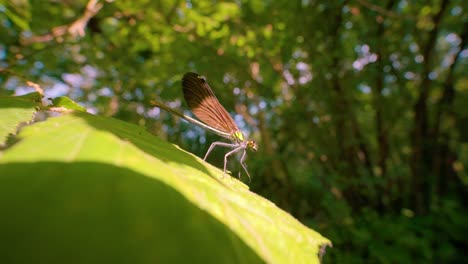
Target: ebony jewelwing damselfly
[[204, 105]]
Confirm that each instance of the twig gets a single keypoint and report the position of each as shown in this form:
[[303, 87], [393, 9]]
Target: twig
[[75, 29], [382, 11]]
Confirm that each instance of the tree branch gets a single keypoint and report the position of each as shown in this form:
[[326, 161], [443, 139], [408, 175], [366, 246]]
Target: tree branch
[[75, 29]]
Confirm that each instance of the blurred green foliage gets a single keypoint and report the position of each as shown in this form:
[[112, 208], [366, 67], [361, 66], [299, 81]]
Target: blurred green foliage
[[358, 106]]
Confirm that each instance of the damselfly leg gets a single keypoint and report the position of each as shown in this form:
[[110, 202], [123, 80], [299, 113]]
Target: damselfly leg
[[236, 148], [242, 162], [221, 144]]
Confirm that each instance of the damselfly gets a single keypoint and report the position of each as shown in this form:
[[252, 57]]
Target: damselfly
[[204, 105]]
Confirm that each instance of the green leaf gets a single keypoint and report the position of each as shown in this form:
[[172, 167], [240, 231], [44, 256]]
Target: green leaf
[[19, 12], [34, 96], [14, 111], [64, 101], [115, 193]]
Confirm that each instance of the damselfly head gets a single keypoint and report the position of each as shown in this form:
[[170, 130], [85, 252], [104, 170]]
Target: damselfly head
[[251, 144]]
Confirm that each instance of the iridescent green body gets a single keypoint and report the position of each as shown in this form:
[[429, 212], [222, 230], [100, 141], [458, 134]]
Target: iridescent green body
[[238, 136]]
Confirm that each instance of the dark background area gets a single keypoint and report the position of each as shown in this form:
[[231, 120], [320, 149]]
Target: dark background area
[[358, 107]]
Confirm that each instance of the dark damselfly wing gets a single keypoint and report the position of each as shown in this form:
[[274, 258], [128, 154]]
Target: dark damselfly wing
[[204, 104]]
